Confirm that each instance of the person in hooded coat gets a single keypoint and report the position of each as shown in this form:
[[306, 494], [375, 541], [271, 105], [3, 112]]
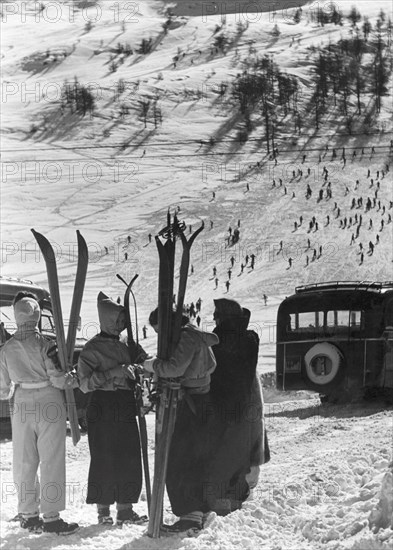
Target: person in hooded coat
[[29, 372], [192, 363], [115, 473], [237, 436]]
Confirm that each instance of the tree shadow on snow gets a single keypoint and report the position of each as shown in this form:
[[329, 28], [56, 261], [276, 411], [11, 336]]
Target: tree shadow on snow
[[163, 543], [22, 539], [326, 410]]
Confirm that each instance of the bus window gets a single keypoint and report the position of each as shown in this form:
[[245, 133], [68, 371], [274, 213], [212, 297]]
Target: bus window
[[331, 319], [305, 321], [344, 318], [356, 319], [8, 319], [388, 316], [47, 322]]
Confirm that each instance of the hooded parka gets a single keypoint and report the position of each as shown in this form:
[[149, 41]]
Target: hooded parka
[[115, 473], [238, 441]]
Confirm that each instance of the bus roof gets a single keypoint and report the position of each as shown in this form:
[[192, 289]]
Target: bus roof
[[10, 286], [372, 286]]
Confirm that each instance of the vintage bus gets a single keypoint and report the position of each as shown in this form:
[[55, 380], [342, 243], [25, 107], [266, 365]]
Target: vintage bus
[[336, 338]]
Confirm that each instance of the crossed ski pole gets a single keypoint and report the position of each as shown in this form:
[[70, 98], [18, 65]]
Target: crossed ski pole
[[138, 390]]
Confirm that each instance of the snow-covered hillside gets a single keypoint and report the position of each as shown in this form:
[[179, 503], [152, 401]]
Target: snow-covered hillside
[[114, 173], [111, 177]]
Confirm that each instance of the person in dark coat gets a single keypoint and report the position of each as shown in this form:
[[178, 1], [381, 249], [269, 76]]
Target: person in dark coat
[[239, 442], [192, 363], [115, 473]]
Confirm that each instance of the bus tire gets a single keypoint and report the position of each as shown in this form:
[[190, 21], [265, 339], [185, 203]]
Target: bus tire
[[323, 350]]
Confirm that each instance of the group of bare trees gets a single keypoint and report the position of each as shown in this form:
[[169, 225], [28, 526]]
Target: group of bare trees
[[263, 89], [353, 73], [77, 97], [350, 78]]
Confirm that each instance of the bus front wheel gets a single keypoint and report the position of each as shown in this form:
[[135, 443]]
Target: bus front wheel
[[323, 363]]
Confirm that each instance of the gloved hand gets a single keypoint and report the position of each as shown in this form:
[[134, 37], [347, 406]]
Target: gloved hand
[[148, 364], [52, 354], [142, 356], [153, 398], [131, 372], [71, 380]]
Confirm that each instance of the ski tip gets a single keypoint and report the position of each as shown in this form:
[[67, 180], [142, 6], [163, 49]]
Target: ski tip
[[125, 282], [38, 236], [120, 278], [80, 238], [133, 279], [83, 251]]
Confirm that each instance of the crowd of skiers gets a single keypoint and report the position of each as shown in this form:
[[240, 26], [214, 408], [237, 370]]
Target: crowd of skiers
[[218, 443], [247, 261], [350, 219]]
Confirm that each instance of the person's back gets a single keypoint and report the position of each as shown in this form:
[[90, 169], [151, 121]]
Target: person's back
[[240, 444], [191, 363], [236, 355]]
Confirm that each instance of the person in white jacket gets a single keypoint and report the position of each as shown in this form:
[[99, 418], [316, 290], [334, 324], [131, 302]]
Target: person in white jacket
[[28, 372]]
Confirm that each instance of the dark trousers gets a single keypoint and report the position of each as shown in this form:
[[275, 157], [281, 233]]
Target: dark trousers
[[115, 473]]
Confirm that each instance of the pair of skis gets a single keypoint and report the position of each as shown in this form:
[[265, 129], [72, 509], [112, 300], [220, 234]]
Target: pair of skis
[[138, 386], [66, 346], [168, 336]]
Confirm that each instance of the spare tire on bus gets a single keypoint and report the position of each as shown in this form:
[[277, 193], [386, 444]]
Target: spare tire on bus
[[323, 363]]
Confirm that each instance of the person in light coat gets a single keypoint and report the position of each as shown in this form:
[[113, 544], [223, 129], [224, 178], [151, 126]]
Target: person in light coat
[[29, 372]]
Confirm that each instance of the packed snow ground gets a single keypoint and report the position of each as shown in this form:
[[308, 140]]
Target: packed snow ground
[[110, 177], [322, 489]]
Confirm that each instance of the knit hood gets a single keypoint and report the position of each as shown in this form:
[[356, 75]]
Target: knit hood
[[227, 308], [233, 319], [108, 314], [27, 310]]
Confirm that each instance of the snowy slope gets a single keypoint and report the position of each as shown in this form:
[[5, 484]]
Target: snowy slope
[[110, 177]]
